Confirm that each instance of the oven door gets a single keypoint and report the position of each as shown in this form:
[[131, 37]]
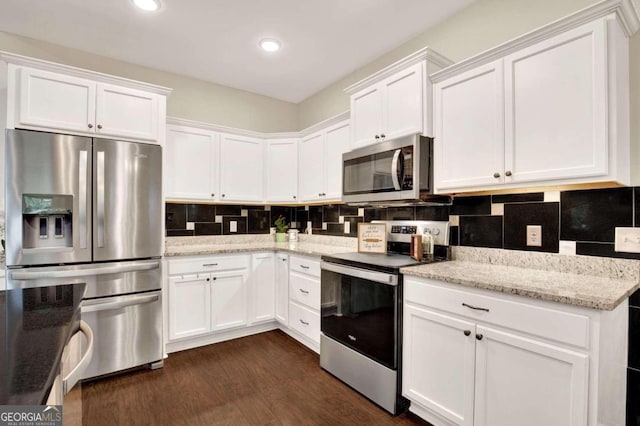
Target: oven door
[[360, 310]]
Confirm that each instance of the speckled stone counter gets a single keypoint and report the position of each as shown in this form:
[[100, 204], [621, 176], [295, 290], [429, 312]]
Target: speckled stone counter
[[314, 246], [591, 282]]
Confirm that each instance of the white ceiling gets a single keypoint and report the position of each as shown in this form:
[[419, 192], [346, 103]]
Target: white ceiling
[[217, 40]]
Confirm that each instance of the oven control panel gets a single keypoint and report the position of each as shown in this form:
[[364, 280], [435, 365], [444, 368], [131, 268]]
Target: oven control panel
[[402, 230]]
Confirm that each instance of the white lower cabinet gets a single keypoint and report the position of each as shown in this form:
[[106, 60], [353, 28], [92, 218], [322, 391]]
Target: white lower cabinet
[[263, 290], [464, 366], [282, 288], [217, 298]]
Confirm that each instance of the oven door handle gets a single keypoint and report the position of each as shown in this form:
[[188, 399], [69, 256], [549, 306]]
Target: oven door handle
[[380, 277]]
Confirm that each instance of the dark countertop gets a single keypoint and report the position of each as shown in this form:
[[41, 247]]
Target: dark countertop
[[35, 325]]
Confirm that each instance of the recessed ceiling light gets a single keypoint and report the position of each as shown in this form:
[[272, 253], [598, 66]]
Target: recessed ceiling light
[[147, 5], [270, 44]]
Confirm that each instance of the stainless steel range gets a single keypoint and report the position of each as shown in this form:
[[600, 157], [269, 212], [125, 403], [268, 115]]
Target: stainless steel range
[[361, 312]]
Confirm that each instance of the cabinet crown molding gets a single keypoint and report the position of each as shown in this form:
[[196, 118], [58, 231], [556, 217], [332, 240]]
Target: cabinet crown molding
[[624, 12], [26, 61], [425, 53], [261, 135]]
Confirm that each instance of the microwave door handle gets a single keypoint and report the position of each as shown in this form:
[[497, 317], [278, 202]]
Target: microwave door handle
[[82, 199], [395, 164], [100, 201]]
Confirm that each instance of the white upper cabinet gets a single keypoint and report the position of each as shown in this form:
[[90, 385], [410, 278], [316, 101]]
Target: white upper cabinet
[[282, 170], [55, 101], [241, 168], [395, 101], [554, 112], [473, 152], [320, 162], [121, 111], [191, 159], [82, 102]]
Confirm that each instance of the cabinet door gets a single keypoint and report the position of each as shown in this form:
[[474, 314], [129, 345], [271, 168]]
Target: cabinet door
[[402, 102], [189, 306], [241, 171], [525, 382], [282, 170], [282, 288], [469, 134], [438, 363], [556, 107], [191, 158], [366, 116], [312, 169], [228, 299], [336, 143], [126, 112], [263, 287], [55, 101]]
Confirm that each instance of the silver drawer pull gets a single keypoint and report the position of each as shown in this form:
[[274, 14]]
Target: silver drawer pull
[[304, 266], [303, 291], [304, 322], [209, 264], [475, 308]]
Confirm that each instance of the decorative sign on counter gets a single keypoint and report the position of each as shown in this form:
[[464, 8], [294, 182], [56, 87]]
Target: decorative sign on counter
[[372, 237]]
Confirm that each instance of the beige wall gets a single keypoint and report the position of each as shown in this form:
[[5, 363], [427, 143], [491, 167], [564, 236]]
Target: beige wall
[[481, 26], [191, 99]]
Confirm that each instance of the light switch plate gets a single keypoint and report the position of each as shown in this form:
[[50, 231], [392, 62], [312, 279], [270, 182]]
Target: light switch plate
[[628, 240], [191, 226], [534, 235], [347, 227], [233, 226]]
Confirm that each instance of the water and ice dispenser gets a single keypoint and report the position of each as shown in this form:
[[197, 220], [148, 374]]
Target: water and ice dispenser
[[47, 221]]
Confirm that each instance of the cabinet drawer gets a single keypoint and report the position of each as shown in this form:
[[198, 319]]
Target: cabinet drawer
[[305, 265], [305, 290], [553, 324], [208, 264], [304, 321]]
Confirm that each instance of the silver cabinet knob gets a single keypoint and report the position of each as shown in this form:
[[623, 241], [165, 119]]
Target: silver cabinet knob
[[99, 126], [90, 125], [496, 175], [507, 173]]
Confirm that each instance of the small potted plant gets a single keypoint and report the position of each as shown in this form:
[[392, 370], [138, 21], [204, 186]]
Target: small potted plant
[[281, 229]]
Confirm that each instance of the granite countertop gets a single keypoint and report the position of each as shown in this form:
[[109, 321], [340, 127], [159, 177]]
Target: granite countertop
[[597, 283], [300, 247], [36, 324]]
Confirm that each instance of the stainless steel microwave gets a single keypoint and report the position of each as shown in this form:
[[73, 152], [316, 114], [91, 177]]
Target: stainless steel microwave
[[398, 170]]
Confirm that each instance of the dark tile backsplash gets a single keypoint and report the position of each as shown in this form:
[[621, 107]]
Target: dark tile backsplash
[[480, 205], [588, 217], [481, 231], [592, 215], [516, 218]]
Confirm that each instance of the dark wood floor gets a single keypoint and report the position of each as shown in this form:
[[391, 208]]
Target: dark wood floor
[[266, 379]]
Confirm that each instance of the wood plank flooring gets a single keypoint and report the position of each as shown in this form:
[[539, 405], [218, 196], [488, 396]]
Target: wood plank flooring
[[265, 379]]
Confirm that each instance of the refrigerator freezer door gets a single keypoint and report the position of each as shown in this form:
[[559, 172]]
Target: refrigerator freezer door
[[128, 331], [48, 198], [127, 207]]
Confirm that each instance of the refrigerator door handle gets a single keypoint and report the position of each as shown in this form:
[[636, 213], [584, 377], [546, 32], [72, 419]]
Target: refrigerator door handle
[[74, 273], [75, 375], [100, 201], [82, 199], [100, 305]]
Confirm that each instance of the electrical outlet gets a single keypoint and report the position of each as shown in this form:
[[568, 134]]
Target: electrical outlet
[[628, 240], [233, 226], [534, 235], [347, 227]]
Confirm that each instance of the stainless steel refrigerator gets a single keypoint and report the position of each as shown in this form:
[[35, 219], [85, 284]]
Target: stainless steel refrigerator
[[84, 210]]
